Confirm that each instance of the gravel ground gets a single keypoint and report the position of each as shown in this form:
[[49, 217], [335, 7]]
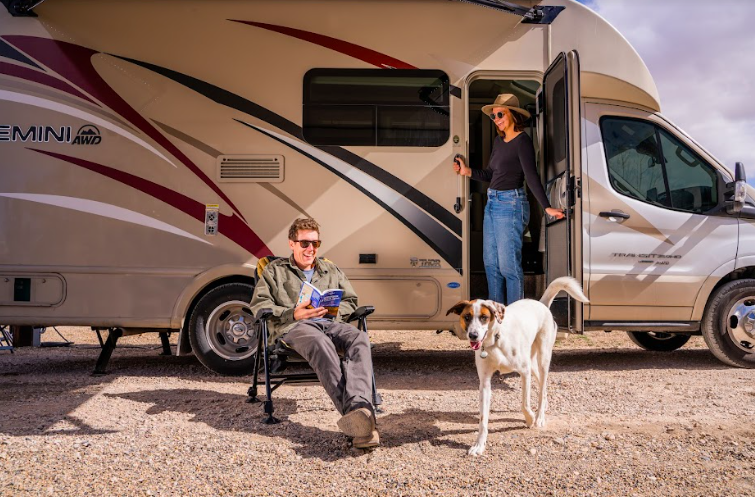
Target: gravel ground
[[622, 421]]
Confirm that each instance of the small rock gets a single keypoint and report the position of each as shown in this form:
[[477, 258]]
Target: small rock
[[533, 451]]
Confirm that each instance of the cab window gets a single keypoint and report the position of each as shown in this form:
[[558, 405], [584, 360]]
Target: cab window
[[648, 163]]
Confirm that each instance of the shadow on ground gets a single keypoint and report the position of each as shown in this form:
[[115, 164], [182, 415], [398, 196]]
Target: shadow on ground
[[229, 412]]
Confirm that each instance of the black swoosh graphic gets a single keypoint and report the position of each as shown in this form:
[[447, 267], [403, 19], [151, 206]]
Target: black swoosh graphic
[[437, 237], [239, 103]]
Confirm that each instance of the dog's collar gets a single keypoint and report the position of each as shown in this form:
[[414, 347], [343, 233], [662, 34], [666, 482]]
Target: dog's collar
[[483, 353]]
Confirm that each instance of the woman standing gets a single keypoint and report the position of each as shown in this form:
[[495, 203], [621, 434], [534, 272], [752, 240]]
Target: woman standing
[[507, 211]]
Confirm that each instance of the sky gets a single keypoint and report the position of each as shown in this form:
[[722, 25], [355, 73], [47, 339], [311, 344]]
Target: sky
[[701, 54]]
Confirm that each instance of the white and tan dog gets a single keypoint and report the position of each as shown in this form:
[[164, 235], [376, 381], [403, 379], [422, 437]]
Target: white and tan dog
[[519, 338]]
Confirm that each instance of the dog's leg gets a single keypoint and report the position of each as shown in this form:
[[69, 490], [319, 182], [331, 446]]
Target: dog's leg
[[529, 415], [543, 365], [482, 434]]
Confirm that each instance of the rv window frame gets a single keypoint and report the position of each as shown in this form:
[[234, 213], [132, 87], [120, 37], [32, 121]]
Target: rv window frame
[[657, 127], [443, 109]]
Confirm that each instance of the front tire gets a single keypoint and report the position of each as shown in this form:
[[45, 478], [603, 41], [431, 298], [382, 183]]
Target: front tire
[[729, 323], [658, 341], [221, 330]]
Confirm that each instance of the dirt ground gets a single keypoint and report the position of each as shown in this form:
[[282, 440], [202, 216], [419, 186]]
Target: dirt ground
[[622, 421]]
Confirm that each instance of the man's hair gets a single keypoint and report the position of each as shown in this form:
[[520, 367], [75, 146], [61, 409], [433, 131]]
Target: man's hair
[[302, 224]]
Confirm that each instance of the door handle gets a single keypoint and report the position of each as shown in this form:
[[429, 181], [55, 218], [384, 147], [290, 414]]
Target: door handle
[[614, 214]]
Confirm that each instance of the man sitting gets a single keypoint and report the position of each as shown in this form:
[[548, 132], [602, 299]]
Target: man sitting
[[319, 339]]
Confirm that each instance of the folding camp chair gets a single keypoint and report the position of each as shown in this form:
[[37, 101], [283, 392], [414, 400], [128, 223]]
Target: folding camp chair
[[276, 357]]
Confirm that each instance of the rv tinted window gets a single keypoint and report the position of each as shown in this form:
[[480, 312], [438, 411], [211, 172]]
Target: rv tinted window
[[649, 164], [376, 107]]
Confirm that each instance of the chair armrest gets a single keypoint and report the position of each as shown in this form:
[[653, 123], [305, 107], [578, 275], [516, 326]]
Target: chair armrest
[[264, 314], [360, 313]]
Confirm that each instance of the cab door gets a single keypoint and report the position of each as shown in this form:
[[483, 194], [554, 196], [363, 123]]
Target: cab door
[[656, 233], [559, 124]]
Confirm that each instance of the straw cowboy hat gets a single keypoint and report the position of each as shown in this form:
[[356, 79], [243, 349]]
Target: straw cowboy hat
[[508, 101]]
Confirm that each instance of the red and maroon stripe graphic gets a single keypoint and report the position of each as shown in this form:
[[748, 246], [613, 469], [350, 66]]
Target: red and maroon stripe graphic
[[231, 226], [352, 50], [44, 79], [74, 63]]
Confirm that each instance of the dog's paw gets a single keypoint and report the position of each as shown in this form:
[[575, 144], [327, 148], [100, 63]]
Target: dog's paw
[[529, 418], [539, 422], [477, 449]]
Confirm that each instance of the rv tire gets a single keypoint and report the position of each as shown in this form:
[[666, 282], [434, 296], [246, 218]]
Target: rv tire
[[658, 341], [221, 330], [729, 323]]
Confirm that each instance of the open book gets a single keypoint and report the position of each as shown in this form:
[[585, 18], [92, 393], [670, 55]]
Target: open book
[[330, 298]]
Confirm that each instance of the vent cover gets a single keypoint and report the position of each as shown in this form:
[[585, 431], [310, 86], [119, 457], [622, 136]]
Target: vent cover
[[250, 168]]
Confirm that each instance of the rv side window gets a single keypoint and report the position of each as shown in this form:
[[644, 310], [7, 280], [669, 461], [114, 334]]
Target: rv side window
[[376, 107], [647, 163]]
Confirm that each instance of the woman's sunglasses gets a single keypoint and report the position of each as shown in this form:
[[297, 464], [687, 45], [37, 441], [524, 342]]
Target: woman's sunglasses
[[306, 243], [498, 115]]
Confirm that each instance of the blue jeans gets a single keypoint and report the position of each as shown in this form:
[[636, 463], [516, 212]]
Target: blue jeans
[[506, 216]]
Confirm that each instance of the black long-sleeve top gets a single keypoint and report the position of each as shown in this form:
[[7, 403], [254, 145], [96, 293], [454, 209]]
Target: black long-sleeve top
[[508, 166]]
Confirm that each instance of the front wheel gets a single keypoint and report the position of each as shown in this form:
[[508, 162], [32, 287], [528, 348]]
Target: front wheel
[[221, 330], [729, 323], [658, 341]]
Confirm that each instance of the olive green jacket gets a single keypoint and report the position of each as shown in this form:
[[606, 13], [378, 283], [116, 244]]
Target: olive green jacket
[[279, 286]]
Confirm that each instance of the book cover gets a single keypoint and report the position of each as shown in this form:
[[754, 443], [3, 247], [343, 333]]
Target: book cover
[[330, 298]]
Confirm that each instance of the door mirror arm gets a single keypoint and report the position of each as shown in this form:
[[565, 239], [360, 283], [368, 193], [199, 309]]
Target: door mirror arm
[[735, 192]]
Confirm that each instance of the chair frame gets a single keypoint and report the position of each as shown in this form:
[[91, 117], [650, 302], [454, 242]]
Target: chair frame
[[274, 380]]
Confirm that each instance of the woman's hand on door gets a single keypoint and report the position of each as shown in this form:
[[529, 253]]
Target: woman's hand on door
[[553, 212], [460, 166]]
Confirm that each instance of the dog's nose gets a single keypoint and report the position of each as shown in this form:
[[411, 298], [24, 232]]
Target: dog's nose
[[473, 336]]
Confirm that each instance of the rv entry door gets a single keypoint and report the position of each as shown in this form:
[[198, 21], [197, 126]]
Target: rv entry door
[[561, 170]]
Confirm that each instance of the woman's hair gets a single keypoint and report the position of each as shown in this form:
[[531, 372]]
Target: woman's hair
[[302, 224], [519, 122]]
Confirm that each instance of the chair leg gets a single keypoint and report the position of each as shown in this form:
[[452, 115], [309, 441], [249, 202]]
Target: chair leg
[[269, 408], [252, 392], [377, 400]]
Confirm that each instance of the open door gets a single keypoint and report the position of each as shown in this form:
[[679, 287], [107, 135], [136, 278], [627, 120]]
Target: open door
[[560, 131]]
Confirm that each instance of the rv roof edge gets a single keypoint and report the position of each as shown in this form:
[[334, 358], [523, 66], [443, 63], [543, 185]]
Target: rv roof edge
[[535, 15]]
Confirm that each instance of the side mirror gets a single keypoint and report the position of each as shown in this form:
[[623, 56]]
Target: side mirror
[[737, 190]]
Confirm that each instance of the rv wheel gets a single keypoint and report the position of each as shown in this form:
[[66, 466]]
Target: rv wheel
[[729, 323], [221, 330], [658, 341]]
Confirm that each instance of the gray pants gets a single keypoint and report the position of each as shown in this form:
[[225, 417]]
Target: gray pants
[[347, 381]]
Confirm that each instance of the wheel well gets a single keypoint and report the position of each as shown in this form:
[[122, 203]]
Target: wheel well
[[236, 278], [737, 274]]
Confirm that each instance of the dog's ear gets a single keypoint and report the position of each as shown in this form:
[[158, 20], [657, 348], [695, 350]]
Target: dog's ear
[[496, 308], [459, 307]]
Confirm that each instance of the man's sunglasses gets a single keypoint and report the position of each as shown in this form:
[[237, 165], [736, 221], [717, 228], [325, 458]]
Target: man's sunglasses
[[306, 243], [495, 115]]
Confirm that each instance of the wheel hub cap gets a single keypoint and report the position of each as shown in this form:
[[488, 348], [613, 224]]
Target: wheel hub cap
[[239, 331], [741, 323]]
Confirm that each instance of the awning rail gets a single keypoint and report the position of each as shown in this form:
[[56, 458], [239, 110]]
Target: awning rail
[[538, 14]]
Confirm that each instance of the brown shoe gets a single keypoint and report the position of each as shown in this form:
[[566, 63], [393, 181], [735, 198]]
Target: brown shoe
[[373, 440], [358, 423]]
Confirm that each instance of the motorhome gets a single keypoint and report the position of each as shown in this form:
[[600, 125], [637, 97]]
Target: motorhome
[[152, 151]]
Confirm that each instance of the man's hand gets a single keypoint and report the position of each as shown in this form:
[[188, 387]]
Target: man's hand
[[301, 311]]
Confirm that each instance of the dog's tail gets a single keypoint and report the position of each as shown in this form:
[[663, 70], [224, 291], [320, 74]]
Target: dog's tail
[[567, 284]]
